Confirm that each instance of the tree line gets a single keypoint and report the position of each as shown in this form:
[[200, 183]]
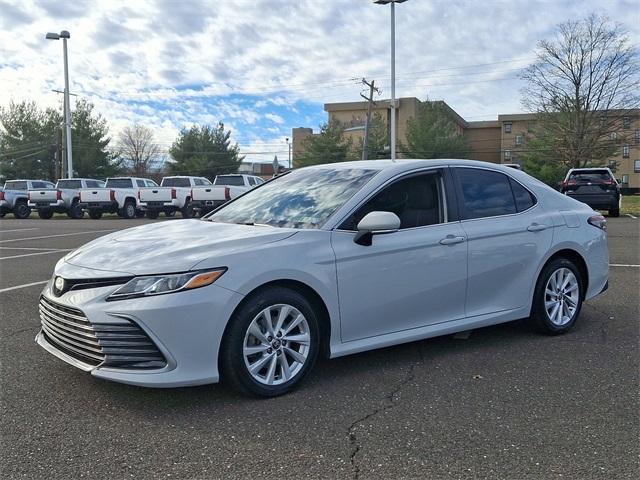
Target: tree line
[[32, 142]]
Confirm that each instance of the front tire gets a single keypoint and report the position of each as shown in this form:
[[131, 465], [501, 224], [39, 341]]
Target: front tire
[[45, 214], [187, 210], [558, 297], [271, 343], [129, 210], [95, 214], [614, 212], [76, 212]]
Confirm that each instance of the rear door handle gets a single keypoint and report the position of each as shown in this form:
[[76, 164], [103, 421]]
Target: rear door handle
[[451, 239], [536, 227]]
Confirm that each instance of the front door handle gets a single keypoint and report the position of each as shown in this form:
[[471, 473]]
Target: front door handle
[[536, 227], [451, 239]]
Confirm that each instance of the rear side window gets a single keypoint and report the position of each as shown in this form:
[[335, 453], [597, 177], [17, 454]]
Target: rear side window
[[16, 185], [231, 180], [523, 197], [485, 193], [593, 176], [42, 185], [70, 183]]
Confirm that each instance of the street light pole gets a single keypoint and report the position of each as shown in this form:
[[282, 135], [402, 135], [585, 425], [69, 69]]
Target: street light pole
[[289, 145], [393, 72], [64, 35]]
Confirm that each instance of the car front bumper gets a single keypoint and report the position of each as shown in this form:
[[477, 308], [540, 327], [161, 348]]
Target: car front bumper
[[186, 327]]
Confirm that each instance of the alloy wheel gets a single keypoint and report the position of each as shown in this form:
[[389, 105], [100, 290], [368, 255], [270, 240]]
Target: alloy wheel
[[561, 296], [276, 344]]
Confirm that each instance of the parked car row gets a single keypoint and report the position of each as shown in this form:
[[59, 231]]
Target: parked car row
[[129, 197]]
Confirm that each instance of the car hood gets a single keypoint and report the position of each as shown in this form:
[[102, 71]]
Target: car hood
[[172, 246]]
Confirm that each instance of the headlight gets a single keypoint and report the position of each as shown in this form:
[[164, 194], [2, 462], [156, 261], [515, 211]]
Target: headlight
[[158, 284]]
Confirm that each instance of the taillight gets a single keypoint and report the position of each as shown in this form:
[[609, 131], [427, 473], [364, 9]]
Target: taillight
[[138, 194], [598, 221], [173, 193], [112, 195], [227, 193], [58, 195], [191, 193], [1, 195]]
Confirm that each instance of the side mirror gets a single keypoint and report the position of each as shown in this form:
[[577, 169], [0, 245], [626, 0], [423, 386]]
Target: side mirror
[[375, 223]]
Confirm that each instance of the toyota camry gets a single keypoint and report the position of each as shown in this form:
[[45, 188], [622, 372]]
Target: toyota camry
[[325, 260]]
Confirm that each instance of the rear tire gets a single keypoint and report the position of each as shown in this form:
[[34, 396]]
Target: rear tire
[[129, 210], [21, 211], [45, 214], [152, 214], [263, 335], [558, 297], [187, 210], [95, 214], [76, 211]]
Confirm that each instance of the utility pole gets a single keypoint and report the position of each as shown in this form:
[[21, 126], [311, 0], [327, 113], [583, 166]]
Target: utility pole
[[369, 99], [66, 138]]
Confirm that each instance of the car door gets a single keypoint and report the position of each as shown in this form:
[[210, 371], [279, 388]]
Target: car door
[[508, 234], [407, 279]]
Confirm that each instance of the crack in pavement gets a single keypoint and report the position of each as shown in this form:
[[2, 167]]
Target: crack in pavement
[[390, 400]]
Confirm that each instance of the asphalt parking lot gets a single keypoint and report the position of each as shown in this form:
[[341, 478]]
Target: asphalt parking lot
[[500, 403]]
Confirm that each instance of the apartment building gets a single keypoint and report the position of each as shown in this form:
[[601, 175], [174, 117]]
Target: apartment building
[[497, 141]]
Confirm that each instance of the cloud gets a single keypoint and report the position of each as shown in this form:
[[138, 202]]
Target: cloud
[[265, 66]]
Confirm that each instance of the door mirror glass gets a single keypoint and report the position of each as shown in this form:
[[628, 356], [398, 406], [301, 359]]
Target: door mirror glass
[[376, 222]]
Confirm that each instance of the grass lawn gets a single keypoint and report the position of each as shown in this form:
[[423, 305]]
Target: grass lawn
[[631, 205]]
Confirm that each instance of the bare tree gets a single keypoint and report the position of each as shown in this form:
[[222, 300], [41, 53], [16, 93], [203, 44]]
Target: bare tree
[[582, 85], [137, 146]]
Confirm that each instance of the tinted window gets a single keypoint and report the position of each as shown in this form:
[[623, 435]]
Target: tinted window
[[231, 180], [141, 183], [304, 198], [37, 184], [590, 176], [415, 200], [94, 184], [15, 185], [485, 193], [175, 182], [251, 180], [119, 183], [524, 199], [70, 183]]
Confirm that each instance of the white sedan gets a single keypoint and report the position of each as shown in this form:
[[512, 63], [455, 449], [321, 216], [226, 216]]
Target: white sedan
[[333, 260]]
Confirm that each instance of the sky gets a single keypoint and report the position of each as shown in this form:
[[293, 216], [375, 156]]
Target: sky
[[264, 67]]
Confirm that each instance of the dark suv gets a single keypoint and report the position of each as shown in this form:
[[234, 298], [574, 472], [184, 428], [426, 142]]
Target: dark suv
[[597, 187]]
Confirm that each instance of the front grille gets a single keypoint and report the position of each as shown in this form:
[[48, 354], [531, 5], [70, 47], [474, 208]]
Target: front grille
[[121, 345]]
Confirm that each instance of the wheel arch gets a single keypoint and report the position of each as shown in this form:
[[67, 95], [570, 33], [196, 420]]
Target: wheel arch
[[310, 293], [577, 259]]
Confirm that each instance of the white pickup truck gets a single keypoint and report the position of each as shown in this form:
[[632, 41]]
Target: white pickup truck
[[64, 198], [14, 196], [173, 194], [224, 188], [120, 195]]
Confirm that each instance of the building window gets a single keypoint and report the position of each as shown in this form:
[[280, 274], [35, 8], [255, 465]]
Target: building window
[[507, 154], [626, 122], [637, 137], [613, 136], [518, 139], [507, 127], [625, 151], [625, 178], [636, 166]]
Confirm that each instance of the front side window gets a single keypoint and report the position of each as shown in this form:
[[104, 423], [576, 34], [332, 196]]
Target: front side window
[[304, 198], [251, 180], [485, 193], [415, 200]]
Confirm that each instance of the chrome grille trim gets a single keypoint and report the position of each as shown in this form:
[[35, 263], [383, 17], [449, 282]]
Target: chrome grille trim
[[119, 345]]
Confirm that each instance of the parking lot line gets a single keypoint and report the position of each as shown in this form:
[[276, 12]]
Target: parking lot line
[[623, 265], [18, 230], [33, 254], [25, 285], [35, 248], [58, 235]]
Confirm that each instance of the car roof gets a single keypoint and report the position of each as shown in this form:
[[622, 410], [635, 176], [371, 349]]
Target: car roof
[[402, 165]]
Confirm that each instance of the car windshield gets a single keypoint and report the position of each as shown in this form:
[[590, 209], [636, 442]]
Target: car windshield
[[231, 180], [590, 176], [119, 183], [175, 182], [301, 199]]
